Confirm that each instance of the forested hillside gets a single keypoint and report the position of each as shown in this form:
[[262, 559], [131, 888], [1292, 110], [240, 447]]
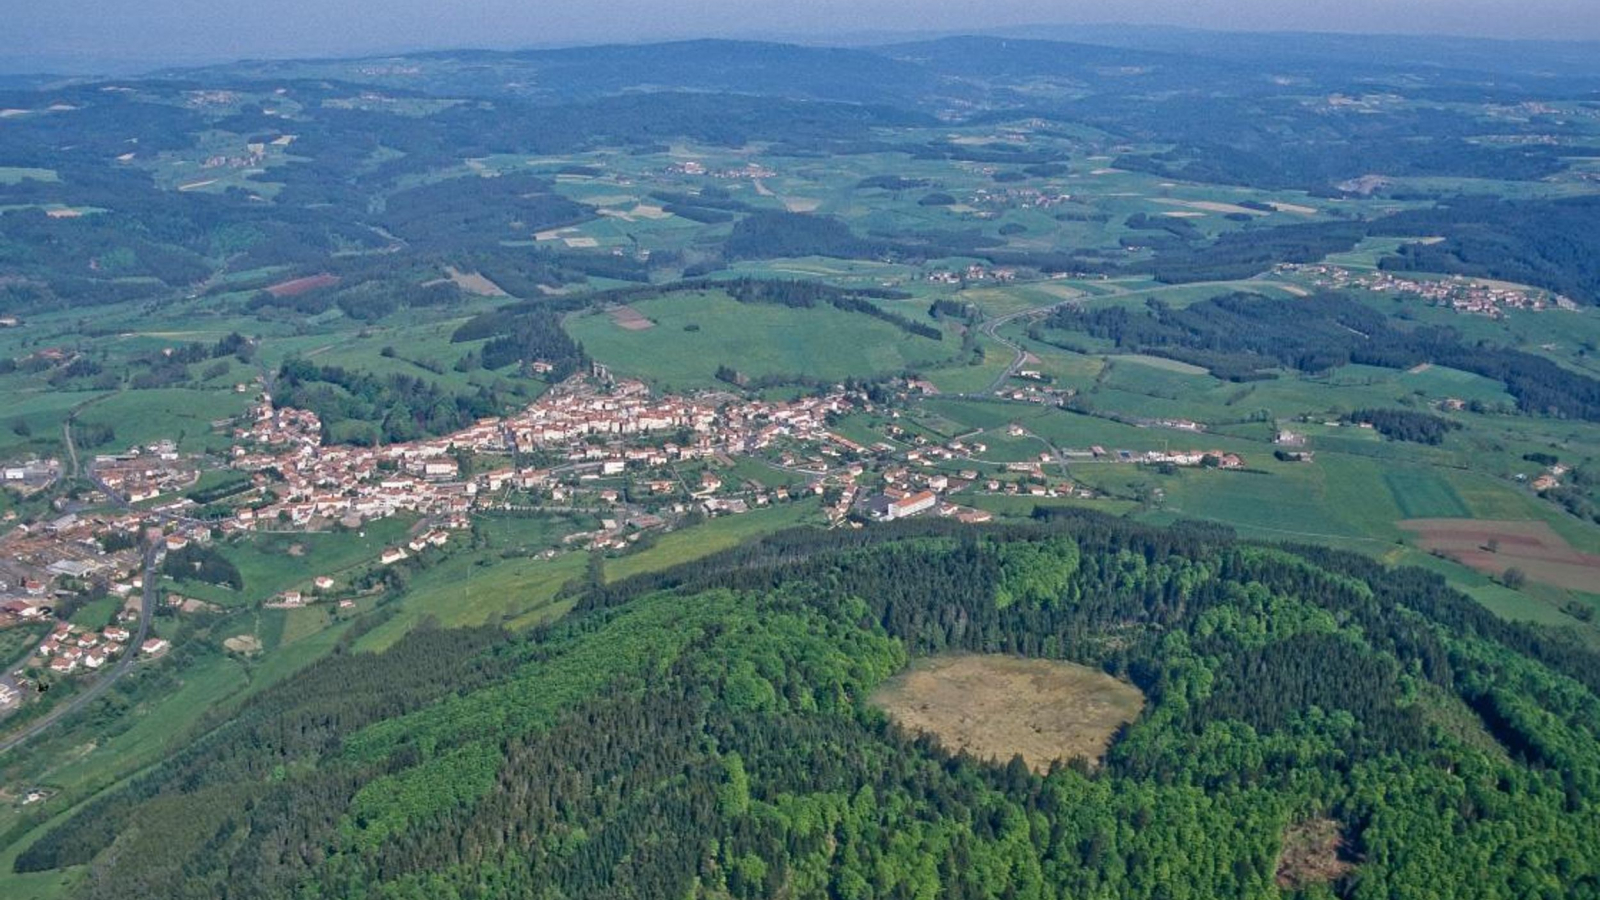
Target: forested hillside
[[1242, 336], [704, 733]]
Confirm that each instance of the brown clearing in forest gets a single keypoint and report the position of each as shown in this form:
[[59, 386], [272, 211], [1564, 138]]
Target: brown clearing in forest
[[1314, 852], [995, 706]]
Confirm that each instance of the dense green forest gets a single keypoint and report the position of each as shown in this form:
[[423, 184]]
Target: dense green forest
[[1241, 337], [703, 732], [361, 408], [1406, 424]]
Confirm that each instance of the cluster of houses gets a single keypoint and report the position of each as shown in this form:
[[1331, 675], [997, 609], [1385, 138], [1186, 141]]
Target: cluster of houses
[[255, 154], [698, 169], [603, 432], [145, 473], [1218, 458], [69, 648], [36, 559], [1019, 198], [974, 272], [598, 430], [1464, 295]]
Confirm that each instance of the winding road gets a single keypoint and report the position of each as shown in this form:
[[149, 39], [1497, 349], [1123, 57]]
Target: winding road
[[129, 656], [989, 328], [106, 680]]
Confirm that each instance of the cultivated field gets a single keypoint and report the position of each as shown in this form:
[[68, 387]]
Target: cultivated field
[[995, 707], [297, 286], [630, 319], [1495, 546]]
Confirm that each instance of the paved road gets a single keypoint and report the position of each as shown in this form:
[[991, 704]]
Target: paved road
[[106, 680], [72, 449], [989, 328], [147, 609]]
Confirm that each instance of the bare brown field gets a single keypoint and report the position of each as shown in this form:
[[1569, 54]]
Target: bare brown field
[[298, 286], [1533, 547], [1314, 852], [474, 283], [630, 319], [1210, 206], [996, 706]]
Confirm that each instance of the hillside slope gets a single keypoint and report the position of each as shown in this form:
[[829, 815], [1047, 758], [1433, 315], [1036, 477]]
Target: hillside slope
[[705, 733]]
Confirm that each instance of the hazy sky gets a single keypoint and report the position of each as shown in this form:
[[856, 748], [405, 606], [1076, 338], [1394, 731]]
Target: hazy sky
[[185, 31]]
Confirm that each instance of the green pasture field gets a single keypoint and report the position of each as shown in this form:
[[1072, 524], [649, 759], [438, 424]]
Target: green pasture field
[[19, 174], [846, 272], [97, 614], [961, 377], [1000, 301], [1424, 495], [1019, 507], [30, 422], [18, 641], [865, 429], [1001, 447], [938, 425], [717, 534], [146, 416], [500, 581], [1172, 368], [1156, 406], [271, 563], [755, 339], [1538, 603], [470, 589], [748, 469]]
